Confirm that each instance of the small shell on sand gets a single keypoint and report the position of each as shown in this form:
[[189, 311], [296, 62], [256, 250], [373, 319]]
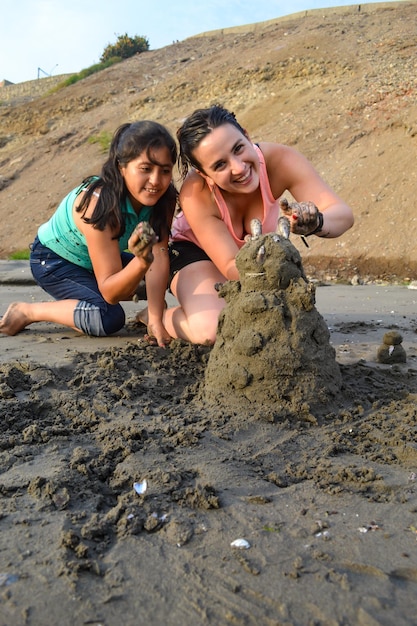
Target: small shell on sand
[[140, 488], [242, 544]]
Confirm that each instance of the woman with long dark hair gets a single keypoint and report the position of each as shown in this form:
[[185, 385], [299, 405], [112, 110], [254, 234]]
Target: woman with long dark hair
[[80, 256]]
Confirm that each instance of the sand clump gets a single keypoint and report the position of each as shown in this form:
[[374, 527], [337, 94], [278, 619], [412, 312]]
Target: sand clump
[[391, 351], [272, 356]]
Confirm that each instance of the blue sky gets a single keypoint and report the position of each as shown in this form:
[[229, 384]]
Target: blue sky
[[50, 37]]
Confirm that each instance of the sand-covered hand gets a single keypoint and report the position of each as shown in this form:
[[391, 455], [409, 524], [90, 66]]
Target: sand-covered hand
[[142, 240], [304, 216]]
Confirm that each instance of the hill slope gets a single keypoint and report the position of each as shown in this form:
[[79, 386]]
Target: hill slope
[[337, 84]]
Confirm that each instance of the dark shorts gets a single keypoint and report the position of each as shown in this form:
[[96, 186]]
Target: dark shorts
[[64, 280], [183, 253]]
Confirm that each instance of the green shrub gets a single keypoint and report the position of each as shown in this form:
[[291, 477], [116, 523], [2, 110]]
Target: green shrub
[[104, 139], [20, 255], [93, 69], [125, 47]]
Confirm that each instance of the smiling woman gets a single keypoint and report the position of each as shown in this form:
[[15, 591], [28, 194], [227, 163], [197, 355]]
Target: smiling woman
[[229, 182], [79, 256]]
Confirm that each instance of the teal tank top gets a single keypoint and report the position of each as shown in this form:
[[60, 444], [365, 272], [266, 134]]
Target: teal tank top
[[61, 235]]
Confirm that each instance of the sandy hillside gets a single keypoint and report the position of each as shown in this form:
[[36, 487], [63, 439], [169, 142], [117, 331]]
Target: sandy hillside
[[338, 84]]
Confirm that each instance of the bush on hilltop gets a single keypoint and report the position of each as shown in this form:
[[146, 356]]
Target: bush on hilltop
[[125, 47]]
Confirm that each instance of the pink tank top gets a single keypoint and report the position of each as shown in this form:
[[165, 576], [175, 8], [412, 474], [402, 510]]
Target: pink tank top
[[181, 230]]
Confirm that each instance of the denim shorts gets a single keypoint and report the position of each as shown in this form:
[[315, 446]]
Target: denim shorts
[[64, 280]]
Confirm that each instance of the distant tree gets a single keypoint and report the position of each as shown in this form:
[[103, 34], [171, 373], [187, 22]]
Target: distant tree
[[125, 47]]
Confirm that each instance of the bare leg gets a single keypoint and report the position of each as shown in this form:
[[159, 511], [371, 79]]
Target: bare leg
[[197, 316], [22, 314]]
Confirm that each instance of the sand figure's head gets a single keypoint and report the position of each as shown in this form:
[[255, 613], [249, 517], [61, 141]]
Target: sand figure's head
[[269, 262]]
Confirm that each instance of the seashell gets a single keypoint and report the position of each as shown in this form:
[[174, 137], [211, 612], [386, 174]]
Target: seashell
[[283, 227], [260, 257], [255, 228], [140, 488], [242, 544]]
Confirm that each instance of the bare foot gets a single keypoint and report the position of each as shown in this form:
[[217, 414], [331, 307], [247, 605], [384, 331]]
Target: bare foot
[[142, 316], [14, 320]]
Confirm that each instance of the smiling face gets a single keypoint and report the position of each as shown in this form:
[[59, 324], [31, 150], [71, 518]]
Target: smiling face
[[228, 158], [148, 177]]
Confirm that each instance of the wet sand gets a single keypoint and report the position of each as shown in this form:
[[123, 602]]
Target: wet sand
[[357, 317], [329, 509]]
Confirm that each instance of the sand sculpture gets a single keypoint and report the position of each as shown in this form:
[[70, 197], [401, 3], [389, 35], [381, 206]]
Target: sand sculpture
[[272, 355]]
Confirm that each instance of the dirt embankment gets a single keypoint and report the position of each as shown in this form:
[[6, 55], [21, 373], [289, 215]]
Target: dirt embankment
[[337, 84]]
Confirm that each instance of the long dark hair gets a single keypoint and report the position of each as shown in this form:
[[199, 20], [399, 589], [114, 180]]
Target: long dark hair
[[129, 141], [197, 126]]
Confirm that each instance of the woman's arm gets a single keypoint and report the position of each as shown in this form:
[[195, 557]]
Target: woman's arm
[[116, 283], [203, 216], [156, 286], [288, 170]]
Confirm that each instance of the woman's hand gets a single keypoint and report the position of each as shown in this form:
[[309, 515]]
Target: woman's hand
[[304, 216], [141, 242]]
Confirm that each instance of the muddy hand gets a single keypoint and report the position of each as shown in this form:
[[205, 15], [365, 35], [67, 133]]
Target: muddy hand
[[303, 216], [142, 240]]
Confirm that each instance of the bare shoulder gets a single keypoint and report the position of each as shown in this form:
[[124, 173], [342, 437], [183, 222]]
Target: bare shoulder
[[286, 158], [193, 183], [195, 194], [79, 216], [275, 153], [197, 201], [281, 163]]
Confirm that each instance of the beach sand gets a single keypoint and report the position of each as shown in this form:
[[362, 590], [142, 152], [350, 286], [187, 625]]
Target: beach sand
[[328, 504]]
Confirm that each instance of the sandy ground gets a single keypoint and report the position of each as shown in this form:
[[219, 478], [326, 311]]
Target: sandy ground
[[328, 506]]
